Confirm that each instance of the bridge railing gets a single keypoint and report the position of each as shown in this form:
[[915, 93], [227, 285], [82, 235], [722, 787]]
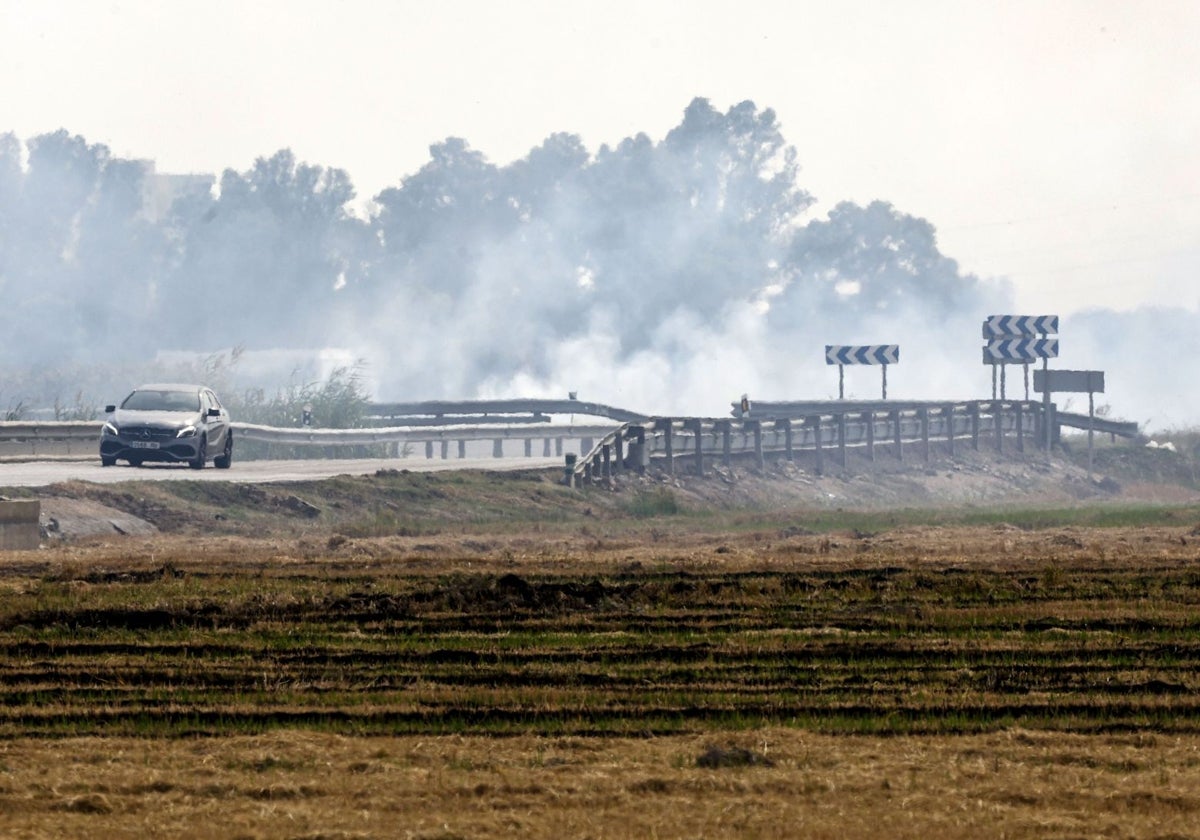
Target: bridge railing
[[820, 427], [824, 434]]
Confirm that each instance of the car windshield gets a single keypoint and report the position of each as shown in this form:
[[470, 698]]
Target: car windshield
[[162, 401]]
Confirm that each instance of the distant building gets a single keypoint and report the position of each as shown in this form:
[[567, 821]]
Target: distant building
[[160, 189]]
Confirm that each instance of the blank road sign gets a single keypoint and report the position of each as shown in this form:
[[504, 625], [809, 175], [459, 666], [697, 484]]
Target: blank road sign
[[1069, 381]]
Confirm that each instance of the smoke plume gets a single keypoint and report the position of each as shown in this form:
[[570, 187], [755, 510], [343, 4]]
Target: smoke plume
[[667, 276]]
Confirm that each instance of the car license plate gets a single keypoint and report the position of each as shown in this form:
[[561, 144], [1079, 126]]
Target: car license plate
[[143, 444]]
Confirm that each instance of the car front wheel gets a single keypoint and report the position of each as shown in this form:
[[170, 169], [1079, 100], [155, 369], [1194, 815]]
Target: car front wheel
[[197, 463], [223, 460]]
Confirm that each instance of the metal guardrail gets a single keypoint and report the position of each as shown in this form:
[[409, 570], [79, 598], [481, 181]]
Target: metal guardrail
[[50, 430], [467, 411], [778, 410], [26, 439], [422, 434], [825, 434], [1120, 428], [762, 410], [430, 436], [770, 427], [33, 438]]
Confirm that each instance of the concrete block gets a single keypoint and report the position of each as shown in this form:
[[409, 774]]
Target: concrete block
[[19, 524]]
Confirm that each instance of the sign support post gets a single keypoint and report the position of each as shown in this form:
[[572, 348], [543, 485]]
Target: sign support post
[[1091, 426], [1046, 408], [1073, 381]]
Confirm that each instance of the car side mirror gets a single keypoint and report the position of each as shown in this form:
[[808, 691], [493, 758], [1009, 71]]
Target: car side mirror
[[214, 412], [109, 409]]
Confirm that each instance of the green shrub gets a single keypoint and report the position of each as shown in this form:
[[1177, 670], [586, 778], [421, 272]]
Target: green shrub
[[649, 503]]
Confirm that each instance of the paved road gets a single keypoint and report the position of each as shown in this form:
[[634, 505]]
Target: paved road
[[41, 473]]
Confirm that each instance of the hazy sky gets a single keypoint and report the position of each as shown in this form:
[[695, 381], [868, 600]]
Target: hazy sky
[[1054, 143]]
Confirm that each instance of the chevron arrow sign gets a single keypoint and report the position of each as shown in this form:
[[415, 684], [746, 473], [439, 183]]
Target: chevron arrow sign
[[1019, 326], [1019, 350], [862, 354]]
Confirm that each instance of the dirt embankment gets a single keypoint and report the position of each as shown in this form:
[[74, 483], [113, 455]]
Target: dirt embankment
[[404, 502], [1119, 474]]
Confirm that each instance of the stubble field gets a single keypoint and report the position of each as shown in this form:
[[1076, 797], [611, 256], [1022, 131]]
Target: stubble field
[[610, 670]]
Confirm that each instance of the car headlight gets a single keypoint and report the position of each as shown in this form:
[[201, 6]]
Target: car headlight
[[109, 430], [186, 432]]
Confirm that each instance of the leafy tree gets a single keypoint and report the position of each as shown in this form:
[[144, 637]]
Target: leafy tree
[[39, 257], [696, 222], [870, 261], [259, 264]]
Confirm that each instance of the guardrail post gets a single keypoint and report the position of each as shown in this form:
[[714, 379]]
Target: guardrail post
[[545, 447], [975, 426], [619, 459], [569, 470], [923, 415], [668, 445], [786, 424], [948, 413], [428, 449], [696, 428], [756, 428], [585, 445], [498, 448], [606, 462], [462, 449], [868, 417], [1020, 413], [726, 427], [1039, 424], [528, 447], [558, 447], [445, 449], [894, 417], [815, 422], [637, 451], [841, 427], [996, 418]]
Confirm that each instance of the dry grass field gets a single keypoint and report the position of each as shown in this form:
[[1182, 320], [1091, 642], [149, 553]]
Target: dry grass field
[[483, 656], [302, 784]]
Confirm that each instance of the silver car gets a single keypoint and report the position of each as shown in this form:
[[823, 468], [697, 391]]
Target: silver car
[[175, 423]]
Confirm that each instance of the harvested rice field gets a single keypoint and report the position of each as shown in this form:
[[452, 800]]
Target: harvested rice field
[[652, 675]]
